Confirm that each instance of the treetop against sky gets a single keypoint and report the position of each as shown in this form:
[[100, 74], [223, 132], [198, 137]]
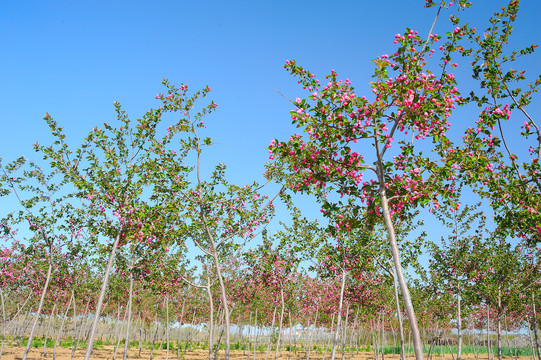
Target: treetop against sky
[[74, 59]]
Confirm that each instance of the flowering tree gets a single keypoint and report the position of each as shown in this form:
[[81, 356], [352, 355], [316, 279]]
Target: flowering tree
[[451, 263], [410, 104], [497, 169], [48, 213], [110, 173], [215, 214]]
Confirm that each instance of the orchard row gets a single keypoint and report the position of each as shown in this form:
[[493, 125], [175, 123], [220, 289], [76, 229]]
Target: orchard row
[[129, 226]]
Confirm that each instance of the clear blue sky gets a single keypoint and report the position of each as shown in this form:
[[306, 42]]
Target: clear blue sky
[[74, 58]]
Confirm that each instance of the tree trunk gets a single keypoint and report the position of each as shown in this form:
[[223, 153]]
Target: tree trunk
[[180, 327], [459, 325], [535, 328], [375, 340], [104, 284], [408, 305], [249, 334], [82, 325], [154, 340], [214, 253], [315, 327], [276, 354], [211, 318], [48, 330], [499, 328], [4, 323], [118, 337], [130, 298], [272, 328], [344, 335], [218, 326], [290, 334], [217, 346], [225, 305], [488, 331], [255, 332], [141, 324], [399, 316], [74, 336], [167, 326], [382, 336], [189, 340], [339, 315], [59, 336], [40, 306], [330, 337]]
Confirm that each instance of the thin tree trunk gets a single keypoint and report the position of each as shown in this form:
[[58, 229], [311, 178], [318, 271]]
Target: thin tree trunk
[[499, 328], [211, 317], [280, 324], [130, 299], [399, 315], [511, 350], [450, 350], [225, 305], [167, 325], [189, 340], [535, 328], [141, 324], [217, 346], [180, 323], [353, 332], [119, 332], [214, 254], [409, 346], [290, 334], [104, 284], [48, 330], [249, 334], [339, 315], [74, 336], [116, 328], [315, 327], [477, 350], [488, 331], [59, 336], [272, 328], [329, 338], [530, 332], [255, 332], [382, 336], [82, 325], [4, 323], [40, 306], [294, 338], [408, 305], [345, 334], [459, 324], [219, 321], [24, 326], [375, 340], [154, 340]]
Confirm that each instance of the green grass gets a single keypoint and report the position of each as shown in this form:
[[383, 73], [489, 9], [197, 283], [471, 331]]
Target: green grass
[[466, 349], [173, 345]]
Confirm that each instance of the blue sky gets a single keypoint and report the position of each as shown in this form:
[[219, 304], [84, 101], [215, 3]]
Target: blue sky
[[74, 58]]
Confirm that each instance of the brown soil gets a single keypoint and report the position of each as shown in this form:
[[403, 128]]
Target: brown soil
[[15, 353]]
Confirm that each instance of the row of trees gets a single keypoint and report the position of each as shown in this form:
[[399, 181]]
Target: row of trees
[[131, 200], [345, 303]]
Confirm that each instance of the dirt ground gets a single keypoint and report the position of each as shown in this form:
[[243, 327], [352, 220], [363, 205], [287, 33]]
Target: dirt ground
[[15, 353]]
